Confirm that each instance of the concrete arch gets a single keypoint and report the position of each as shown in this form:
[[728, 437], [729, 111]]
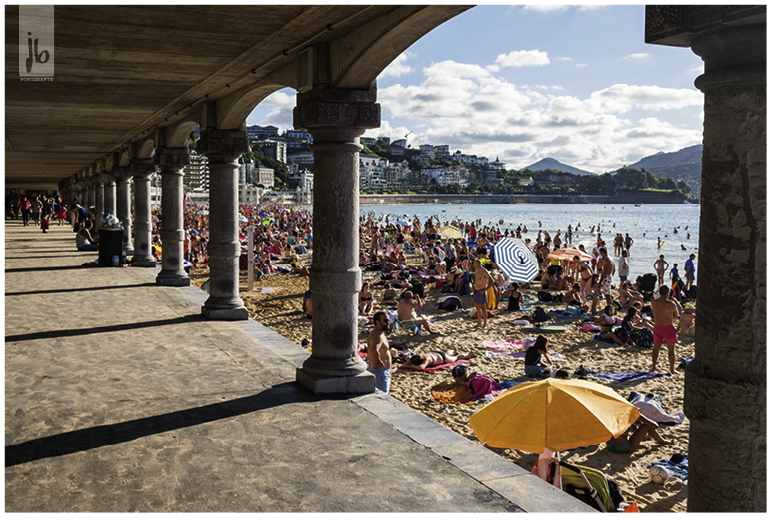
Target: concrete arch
[[144, 149], [232, 111], [177, 135], [359, 57], [124, 156]]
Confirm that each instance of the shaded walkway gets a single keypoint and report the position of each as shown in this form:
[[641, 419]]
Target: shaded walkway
[[120, 397]]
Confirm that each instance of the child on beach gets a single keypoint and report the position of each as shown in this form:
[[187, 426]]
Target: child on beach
[[44, 222]]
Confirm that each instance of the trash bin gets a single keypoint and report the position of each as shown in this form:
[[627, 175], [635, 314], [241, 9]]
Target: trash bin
[[110, 247]]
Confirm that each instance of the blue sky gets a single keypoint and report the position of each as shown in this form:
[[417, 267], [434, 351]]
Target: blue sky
[[576, 83]]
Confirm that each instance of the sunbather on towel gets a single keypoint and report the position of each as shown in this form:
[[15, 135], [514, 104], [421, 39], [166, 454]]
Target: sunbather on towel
[[480, 384], [436, 358], [643, 428]]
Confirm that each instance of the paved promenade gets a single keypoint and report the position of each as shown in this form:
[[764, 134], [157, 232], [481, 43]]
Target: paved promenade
[[119, 396]]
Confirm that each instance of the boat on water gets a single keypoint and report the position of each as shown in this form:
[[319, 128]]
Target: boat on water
[[638, 204]]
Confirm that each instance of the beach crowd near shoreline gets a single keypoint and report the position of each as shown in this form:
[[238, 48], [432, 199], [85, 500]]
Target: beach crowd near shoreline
[[595, 338]]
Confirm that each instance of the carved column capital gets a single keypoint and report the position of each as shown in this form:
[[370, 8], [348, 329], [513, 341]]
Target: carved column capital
[[223, 145], [141, 167], [171, 158], [337, 108]]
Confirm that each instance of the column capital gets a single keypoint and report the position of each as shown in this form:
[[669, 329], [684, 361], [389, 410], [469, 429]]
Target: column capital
[[107, 178], [337, 108], [171, 158], [732, 56], [122, 173], [141, 167], [216, 144]]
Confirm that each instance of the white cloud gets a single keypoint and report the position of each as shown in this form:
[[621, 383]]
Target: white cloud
[[471, 109], [637, 56], [581, 65], [543, 8], [533, 58], [280, 107], [397, 67], [563, 58]]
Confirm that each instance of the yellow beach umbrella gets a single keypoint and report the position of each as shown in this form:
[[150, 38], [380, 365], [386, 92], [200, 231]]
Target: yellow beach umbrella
[[450, 232], [557, 414]]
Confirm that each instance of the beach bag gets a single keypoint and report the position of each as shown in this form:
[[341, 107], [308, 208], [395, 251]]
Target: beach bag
[[643, 338], [623, 335], [573, 310], [449, 303], [446, 288], [540, 315], [544, 296], [418, 288]]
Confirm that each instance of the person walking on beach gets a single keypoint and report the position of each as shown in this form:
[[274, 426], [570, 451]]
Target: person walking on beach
[[378, 352], [689, 272], [660, 266], [481, 283], [665, 310]]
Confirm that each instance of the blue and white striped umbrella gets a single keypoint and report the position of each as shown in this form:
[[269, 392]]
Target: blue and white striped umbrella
[[516, 260]]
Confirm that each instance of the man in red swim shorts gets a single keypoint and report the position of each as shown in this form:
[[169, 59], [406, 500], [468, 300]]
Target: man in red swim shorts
[[665, 310]]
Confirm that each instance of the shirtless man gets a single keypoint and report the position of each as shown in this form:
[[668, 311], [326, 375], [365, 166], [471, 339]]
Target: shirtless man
[[665, 310], [481, 283], [406, 310], [605, 268], [378, 352]]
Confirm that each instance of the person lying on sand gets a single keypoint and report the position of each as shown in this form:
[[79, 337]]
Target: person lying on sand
[[436, 358], [643, 428]]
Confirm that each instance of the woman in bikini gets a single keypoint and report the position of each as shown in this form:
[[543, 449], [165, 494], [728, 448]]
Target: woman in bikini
[[436, 358], [643, 428], [365, 300]]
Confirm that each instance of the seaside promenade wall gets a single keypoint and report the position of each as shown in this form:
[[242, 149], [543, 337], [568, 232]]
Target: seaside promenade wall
[[642, 197]]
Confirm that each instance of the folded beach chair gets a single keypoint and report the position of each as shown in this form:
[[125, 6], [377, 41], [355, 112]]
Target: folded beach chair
[[588, 485], [413, 326]]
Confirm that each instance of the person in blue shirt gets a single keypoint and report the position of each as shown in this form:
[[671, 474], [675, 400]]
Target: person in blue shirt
[[689, 272]]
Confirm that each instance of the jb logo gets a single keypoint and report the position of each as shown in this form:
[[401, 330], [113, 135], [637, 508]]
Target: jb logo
[[35, 56]]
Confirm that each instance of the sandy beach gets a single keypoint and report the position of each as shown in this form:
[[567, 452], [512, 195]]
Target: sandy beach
[[276, 302]]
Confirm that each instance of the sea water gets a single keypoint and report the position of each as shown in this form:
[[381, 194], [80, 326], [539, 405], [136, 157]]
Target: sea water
[[643, 223]]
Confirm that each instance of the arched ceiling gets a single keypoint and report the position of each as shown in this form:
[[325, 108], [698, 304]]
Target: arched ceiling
[[123, 71]]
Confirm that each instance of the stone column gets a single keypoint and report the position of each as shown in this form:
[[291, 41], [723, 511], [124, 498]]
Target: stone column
[[123, 203], [91, 193], [142, 169], [109, 193], [726, 390], [223, 148], [99, 190], [336, 119], [172, 161]]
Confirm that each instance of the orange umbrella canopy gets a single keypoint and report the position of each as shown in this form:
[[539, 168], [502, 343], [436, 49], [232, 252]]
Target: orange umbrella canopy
[[568, 254], [557, 414]]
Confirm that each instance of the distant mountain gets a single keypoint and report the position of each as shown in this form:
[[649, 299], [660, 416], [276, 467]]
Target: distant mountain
[[553, 164], [683, 164]]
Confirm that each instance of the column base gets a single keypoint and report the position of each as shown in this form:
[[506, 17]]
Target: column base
[[173, 281], [143, 262], [362, 383], [236, 313]]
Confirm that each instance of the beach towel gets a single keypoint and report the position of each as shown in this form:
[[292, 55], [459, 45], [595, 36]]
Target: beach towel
[[505, 355], [626, 377], [678, 466], [503, 344], [522, 320], [482, 385], [436, 368], [652, 407], [490, 314], [589, 327], [451, 393], [562, 314], [598, 337], [555, 356]]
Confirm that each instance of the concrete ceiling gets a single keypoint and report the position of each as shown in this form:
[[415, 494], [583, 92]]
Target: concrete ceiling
[[122, 70]]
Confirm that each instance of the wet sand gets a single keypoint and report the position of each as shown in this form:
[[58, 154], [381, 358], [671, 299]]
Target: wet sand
[[276, 302]]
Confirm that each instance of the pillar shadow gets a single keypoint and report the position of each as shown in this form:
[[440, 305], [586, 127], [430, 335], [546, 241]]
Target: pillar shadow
[[111, 434], [66, 333], [81, 289], [34, 256], [89, 265]]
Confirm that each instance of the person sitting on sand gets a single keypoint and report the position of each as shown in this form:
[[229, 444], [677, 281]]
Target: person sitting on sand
[[477, 382], [307, 304], [607, 321], [533, 359], [436, 358], [406, 310], [365, 300], [515, 298], [643, 428], [572, 297], [389, 296], [628, 296], [686, 325]]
